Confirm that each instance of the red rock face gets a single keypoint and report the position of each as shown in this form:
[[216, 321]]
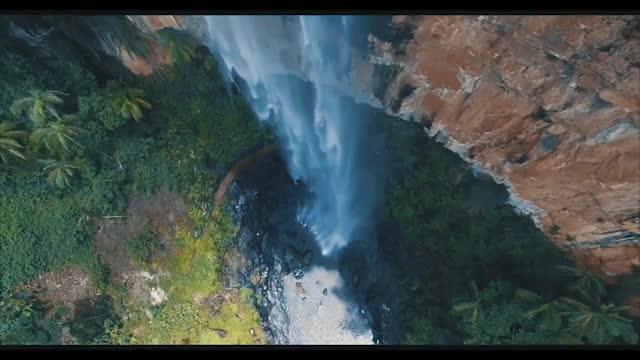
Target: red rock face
[[614, 260], [159, 55], [550, 105], [146, 65]]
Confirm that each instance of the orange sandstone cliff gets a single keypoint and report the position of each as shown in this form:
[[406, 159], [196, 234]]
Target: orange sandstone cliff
[[548, 105]]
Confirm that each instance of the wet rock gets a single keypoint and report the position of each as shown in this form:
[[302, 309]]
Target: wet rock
[[256, 278], [258, 275], [277, 267], [222, 333], [441, 137], [307, 257], [298, 274], [300, 290], [272, 242], [231, 294], [265, 243], [293, 258], [214, 304]]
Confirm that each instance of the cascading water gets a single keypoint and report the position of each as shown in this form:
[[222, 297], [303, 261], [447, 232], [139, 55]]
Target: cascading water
[[296, 70], [318, 129]]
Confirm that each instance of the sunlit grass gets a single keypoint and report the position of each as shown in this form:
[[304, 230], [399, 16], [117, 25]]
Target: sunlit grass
[[194, 275]]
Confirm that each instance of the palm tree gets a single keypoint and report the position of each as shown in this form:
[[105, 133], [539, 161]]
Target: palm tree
[[547, 313], [59, 172], [59, 136], [180, 44], [599, 324], [128, 102], [9, 141], [471, 309], [39, 105], [588, 285], [548, 316]]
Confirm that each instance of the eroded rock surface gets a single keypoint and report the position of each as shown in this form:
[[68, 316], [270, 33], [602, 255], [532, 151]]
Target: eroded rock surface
[[546, 104]]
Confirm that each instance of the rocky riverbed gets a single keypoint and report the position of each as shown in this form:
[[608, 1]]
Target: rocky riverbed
[[302, 296]]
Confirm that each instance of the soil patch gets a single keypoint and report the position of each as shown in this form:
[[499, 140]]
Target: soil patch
[[67, 287], [160, 213]]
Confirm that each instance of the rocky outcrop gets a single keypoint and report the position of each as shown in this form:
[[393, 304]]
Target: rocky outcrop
[[548, 105], [158, 55]]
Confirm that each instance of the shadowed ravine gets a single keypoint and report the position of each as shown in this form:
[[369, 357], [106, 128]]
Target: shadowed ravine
[[300, 294]]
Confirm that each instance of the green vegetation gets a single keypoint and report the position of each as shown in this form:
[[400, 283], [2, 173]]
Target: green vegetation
[[39, 105], [22, 322], [142, 247], [59, 172], [59, 137], [181, 45], [198, 258], [70, 156], [127, 102], [185, 317], [92, 321], [479, 273], [10, 138]]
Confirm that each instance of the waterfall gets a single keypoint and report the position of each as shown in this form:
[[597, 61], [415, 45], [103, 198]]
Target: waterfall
[[296, 69]]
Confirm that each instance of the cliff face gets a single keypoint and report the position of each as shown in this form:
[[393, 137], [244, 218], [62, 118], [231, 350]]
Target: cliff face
[[158, 55], [549, 105]]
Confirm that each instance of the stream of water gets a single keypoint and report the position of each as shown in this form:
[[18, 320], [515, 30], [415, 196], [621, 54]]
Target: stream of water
[[318, 129], [295, 70]]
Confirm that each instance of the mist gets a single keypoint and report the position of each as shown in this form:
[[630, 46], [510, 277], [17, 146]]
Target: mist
[[296, 70]]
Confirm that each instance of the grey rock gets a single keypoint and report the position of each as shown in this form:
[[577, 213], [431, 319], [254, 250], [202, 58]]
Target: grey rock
[[222, 333], [619, 131], [307, 257]]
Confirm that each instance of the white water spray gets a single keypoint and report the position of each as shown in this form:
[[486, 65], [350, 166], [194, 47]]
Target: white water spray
[[297, 69]]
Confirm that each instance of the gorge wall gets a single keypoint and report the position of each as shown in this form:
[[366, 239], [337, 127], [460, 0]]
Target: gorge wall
[[547, 105]]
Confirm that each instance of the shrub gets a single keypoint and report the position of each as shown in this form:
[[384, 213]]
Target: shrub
[[142, 247]]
